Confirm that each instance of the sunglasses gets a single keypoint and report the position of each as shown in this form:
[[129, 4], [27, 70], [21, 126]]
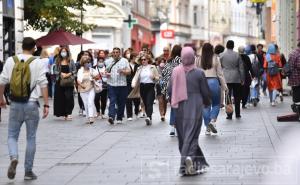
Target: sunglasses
[[143, 59]]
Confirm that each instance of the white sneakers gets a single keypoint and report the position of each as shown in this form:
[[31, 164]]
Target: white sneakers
[[129, 119]]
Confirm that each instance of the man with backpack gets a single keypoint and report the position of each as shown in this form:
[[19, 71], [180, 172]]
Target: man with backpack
[[24, 73]]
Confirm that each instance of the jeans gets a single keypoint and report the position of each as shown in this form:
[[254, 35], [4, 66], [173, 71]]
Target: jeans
[[273, 95], [172, 117], [20, 113], [148, 96], [117, 97], [212, 112], [88, 101], [254, 93]]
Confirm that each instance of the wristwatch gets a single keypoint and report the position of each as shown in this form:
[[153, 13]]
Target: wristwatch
[[46, 106]]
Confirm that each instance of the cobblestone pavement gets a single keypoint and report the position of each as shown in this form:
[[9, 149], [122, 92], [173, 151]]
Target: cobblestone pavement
[[74, 153]]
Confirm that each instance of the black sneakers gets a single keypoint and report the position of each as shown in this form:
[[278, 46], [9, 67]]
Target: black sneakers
[[111, 120], [212, 128], [148, 121], [11, 173], [30, 176]]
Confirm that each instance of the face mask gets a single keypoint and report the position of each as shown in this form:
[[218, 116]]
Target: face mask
[[100, 65], [127, 56], [63, 54], [87, 65], [162, 65]]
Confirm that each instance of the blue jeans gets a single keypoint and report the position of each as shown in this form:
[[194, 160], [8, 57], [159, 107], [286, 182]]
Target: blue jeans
[[117, 97], [172, 117], [212, 112], [273, 95], [254, 92], [20, 113]]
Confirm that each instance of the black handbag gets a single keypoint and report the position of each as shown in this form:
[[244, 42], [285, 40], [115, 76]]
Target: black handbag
[[66, 82]]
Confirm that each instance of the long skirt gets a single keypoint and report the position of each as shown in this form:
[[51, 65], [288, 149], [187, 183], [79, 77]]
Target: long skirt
[[188, 125], [63, 100]]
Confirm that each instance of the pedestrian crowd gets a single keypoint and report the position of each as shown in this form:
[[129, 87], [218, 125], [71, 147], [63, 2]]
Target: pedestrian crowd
[[196, 86]]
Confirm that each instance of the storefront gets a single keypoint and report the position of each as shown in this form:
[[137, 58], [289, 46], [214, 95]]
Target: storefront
[[141, 34]]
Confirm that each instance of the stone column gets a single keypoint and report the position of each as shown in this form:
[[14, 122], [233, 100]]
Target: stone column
[[19, 25], [286, 25]]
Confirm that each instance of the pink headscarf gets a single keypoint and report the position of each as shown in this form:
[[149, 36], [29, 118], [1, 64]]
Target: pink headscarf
[[179, 89]]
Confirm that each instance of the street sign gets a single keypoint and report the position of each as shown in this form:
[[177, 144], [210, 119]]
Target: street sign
[[258, 1], [131, 21], [168, 34]]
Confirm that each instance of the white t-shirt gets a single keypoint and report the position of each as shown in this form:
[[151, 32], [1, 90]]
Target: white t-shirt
[[37, 72], [146, 75]]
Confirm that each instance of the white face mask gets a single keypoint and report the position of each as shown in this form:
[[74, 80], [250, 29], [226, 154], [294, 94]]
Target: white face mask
[[63, 54], [100, 65]]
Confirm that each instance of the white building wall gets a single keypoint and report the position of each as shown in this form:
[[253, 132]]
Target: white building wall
[[200, 25]]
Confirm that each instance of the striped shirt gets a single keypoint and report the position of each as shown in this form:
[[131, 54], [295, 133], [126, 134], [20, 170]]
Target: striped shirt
[[116, 79]]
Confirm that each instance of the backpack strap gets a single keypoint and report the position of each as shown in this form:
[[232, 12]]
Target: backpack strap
[[16, 59], [30, 60]]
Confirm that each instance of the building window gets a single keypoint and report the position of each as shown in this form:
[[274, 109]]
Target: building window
[[141, 7], [195, 15]]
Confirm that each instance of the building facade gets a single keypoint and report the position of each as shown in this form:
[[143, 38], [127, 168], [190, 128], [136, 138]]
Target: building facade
[[286, 25], [109, 25], [244, 25], [141, 33], [11, 28], [199, 16], [171, 23]]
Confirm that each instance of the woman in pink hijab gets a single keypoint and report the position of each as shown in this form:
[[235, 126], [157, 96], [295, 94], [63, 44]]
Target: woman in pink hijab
[[189, 95]]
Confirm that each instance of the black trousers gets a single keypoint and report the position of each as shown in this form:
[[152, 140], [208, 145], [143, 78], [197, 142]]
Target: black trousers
[[296, 94], [80, 102], [148, 96], [48, 76], [101, 97], [245, 94], [236, 90], [132, 101]]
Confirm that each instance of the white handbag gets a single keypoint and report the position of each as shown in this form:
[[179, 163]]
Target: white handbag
[[97, 86]]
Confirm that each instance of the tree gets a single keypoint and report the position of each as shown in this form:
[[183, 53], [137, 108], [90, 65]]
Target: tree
[[57, 14]]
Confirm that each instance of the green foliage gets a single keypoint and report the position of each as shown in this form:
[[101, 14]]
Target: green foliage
[[57, 14]]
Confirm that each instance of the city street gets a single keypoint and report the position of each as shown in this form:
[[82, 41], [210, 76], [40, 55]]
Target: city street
[[71, 152]]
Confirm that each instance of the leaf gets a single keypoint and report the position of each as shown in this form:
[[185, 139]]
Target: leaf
[[51, 15]]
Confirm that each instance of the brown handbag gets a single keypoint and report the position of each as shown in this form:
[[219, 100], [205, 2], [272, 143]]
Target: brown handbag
[[228, 106], [135, 93]]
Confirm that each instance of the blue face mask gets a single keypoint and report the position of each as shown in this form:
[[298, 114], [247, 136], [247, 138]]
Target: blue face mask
[[87, 65]]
